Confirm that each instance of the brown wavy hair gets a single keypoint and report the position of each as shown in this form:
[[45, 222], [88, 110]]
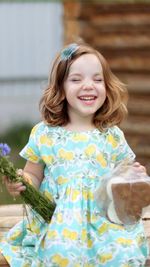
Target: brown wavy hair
[[53, 104]]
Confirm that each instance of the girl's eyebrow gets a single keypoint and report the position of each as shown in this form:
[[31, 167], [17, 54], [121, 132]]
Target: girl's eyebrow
[[75, 74], [98, 74], [79, 74]]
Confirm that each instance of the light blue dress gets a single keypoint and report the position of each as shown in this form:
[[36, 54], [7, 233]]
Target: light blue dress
[[77, 236]]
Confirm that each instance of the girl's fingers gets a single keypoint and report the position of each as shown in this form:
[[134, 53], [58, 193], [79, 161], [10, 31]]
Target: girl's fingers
[[136, 164], [142, 169], [16, 193], [16, 187], [25, 175], [139, 167], [20, 172]]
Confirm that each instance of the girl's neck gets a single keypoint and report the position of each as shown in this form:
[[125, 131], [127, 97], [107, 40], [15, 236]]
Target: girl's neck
[[79, 123], [79, 126]]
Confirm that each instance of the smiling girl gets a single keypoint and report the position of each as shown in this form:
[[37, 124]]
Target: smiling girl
[[68, 153]]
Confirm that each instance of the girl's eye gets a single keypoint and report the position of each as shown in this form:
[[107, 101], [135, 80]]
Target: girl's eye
[[98, 80], [75, 80]]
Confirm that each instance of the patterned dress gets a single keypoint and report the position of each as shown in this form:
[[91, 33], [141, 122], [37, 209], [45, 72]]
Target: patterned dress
[[77, 236]]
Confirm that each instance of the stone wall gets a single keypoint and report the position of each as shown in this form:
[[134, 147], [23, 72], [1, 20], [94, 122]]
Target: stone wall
[[121, 32]]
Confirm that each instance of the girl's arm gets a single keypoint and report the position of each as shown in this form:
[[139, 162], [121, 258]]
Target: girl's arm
[[33, 173]]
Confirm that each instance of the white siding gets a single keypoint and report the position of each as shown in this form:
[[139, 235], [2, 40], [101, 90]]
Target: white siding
[[30, 36]]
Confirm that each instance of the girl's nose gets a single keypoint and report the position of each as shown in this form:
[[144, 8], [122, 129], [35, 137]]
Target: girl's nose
[[88, 85]]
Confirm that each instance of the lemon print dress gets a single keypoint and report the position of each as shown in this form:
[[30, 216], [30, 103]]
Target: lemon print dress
[[77, 236]]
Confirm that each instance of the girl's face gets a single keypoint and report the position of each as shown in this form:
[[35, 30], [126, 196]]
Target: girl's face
[[84, 87]]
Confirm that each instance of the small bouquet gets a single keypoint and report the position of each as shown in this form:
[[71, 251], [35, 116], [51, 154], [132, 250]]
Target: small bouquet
[[124, 196], [32, 197]]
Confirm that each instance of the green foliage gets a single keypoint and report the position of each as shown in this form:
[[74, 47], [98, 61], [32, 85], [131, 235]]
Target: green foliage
[[16, 137]]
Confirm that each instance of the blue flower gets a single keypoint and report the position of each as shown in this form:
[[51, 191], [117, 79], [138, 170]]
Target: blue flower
[[4, 149]]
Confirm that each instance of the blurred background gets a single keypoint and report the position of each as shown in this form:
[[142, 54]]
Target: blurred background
[[32, 32]]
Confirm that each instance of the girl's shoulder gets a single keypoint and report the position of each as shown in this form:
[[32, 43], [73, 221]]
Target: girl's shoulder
[[115, 130], [41, 128], [116, 134]]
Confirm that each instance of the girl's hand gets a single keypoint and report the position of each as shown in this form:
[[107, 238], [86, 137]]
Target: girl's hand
[[139, 168], [14, 189]]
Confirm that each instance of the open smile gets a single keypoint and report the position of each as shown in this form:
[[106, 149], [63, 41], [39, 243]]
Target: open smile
[[88, 99]]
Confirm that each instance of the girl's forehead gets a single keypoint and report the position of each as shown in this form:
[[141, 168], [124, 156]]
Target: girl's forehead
[[86, 62]]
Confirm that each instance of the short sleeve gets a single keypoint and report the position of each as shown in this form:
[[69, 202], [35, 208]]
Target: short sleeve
[[31, 151], [123, 150]]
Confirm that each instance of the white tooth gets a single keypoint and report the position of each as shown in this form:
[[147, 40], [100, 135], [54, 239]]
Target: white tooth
[[87, 98]]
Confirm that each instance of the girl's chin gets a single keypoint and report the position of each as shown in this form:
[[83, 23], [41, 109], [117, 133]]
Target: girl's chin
[[86, 114]]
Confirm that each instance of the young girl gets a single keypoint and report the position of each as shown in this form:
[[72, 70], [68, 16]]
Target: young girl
[[76, 144]]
